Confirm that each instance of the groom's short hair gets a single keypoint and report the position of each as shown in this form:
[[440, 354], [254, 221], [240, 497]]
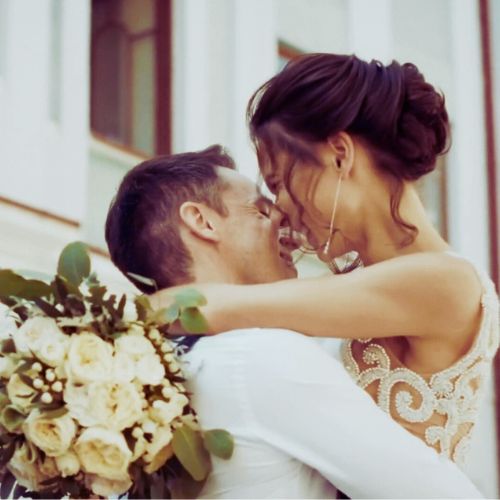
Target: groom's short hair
[[142, 226]]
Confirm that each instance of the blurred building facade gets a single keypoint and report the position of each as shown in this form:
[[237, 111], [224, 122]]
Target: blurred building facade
[[88, 88]]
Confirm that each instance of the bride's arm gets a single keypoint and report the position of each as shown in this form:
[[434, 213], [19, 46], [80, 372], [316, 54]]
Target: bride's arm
[[417, 295]]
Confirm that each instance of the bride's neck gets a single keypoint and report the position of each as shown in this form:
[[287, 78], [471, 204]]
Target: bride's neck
[[384, 238]]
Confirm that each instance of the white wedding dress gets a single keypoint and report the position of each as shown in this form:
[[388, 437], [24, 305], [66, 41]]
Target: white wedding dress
[[441, 408]]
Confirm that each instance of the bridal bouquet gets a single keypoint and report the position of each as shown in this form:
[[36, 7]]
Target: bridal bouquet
[[92, 400]]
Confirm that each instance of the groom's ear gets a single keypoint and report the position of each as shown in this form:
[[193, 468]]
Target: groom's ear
[[199, 219]]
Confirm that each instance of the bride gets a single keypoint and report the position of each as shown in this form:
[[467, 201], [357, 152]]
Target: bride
[[340, 144]]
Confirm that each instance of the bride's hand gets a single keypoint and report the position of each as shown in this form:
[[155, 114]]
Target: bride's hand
[[218, 297]]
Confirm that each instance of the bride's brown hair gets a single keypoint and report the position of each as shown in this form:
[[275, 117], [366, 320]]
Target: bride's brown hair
[[397, 115]]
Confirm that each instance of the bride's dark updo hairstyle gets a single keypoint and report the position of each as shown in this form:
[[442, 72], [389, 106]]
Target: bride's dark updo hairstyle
[[391, 110]]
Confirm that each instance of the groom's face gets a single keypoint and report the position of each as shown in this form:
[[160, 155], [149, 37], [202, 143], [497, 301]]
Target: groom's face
[[251, 242]]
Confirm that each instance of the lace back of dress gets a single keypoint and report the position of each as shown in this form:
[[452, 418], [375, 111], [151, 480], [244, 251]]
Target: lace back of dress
[[441, 408]]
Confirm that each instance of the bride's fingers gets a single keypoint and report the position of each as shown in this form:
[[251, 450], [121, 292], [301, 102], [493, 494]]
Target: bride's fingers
[[161, 299]]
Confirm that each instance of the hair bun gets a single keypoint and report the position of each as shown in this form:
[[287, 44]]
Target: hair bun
[[421, 133]]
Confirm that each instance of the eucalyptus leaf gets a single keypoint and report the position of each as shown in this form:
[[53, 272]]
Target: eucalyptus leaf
[[193, 321], [219, 442], [10, 283], [34, 289], [189, 449], [190, 297], [74, 263], [167, 315]]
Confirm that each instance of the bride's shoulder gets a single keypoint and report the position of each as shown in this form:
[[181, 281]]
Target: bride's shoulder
[[453, 282], [444, 270]]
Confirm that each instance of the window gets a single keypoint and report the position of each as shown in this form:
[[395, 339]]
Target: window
[[130, 75]]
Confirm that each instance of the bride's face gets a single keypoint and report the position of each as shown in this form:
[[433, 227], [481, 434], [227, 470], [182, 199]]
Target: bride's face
[[306, 191]]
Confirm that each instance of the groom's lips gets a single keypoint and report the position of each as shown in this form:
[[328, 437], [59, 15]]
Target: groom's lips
[[287, 257]]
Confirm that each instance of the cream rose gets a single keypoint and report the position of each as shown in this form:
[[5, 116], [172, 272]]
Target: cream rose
[[123, 368], [52, 350], [149, 370], [103, 452], [90, 359], [20, 394], [107, 487], [68, 464], [110, 405], [165, 412], [135, 346], [34, 331], [159, 450], [27, 471], [51, 435], [7, 366]]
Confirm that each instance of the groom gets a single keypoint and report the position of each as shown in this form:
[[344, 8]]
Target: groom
[[301, 425]]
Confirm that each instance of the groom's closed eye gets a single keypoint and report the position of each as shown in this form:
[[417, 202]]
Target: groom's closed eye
[[264, 206]]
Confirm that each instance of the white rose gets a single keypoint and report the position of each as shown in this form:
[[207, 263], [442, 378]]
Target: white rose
[[7, 366], [104, 452], [51, 435], [123, 368], [107, 487], [134, 345], [28, 472], [149, 370], [20, 394], [35, 330], [165, 412], [111, 405], [52, 351], [68, 464], [159, 450], [90, 358]]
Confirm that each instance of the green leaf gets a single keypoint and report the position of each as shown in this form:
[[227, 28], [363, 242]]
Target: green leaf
[[10, 283], [142, 279], [193, 321], [189, 449], [167, 315], [190, 297], [219, 442], [34, 289], [142, 306], [12, 419], [74, 263]]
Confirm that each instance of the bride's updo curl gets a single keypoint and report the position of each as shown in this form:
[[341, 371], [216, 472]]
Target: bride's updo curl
[[398, 116]]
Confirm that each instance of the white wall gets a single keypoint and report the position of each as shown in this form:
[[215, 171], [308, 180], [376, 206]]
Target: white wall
[[42, 161], [222, 52]]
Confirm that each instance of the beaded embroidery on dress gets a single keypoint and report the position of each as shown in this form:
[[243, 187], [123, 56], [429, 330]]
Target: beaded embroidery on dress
[[440, 408]]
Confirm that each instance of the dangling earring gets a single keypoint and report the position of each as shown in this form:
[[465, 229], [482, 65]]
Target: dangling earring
[[334, 211]]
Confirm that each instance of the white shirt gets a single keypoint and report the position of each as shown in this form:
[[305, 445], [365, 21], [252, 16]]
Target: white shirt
[[301, 424]]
